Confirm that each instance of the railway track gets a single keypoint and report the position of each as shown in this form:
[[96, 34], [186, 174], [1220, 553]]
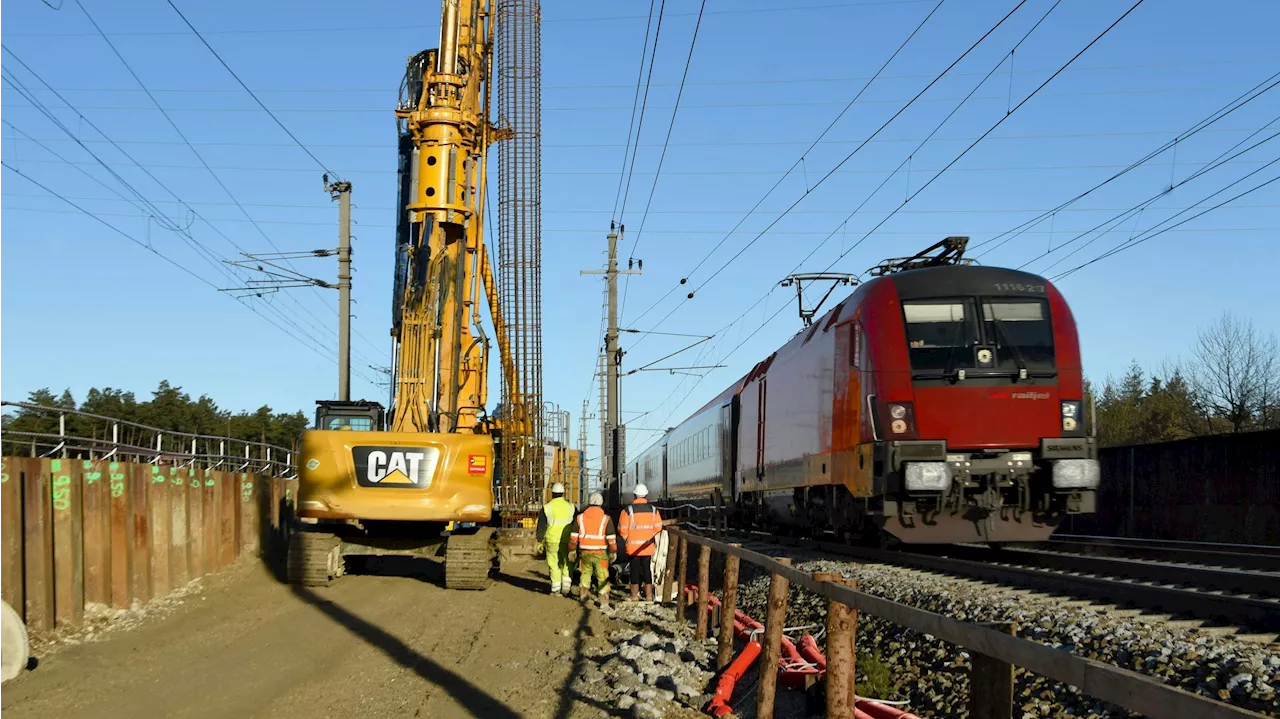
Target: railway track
[[1214, 595], [1242, 556]]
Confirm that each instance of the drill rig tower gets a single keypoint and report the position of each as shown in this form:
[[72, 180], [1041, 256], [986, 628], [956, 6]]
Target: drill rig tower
[[431, 472]]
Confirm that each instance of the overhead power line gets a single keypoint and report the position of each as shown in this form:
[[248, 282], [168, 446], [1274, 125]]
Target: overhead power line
[[626, 283], [807, 150], [253, 95], [635, 105]]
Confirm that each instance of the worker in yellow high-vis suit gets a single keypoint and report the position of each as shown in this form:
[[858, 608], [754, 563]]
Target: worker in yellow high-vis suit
[[553, 538]]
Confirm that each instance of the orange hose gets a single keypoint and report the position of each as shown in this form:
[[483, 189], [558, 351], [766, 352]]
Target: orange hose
[[719, 705]]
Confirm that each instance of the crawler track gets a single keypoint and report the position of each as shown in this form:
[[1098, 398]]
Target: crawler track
[[468, 559]]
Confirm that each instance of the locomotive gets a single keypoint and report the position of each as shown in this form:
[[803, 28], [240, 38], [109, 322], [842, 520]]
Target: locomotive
[[940, 402]]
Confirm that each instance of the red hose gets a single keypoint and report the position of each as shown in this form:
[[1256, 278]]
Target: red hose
[[719, 705], [792, 676]]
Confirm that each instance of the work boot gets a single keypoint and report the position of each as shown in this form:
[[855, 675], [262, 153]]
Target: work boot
[[566, 590], [582, 593], [604, 599]]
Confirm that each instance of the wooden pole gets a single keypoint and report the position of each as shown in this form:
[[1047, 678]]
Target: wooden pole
[[669, 577], [704, 589], [840, 657], [728, 605], [991, 683], [681, 573], [774, 620]]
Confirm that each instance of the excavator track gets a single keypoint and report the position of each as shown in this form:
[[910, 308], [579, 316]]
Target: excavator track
[[468, 559], [314, 559]]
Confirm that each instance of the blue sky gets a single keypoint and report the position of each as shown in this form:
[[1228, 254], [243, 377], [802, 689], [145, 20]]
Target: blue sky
[[84, 306]]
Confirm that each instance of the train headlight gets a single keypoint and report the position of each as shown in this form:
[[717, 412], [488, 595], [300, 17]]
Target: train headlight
[[927, 476], [902, 416], [1076, 474], [1071, 417]]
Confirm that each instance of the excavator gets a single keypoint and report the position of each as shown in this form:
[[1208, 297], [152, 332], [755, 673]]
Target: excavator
[[424, 473]]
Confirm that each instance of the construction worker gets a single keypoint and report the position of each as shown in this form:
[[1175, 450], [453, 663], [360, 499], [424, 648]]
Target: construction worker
[[639, 524], [553, 538], [594, 539]]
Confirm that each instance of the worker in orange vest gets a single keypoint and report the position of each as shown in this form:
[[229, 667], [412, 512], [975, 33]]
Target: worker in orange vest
[[594, 535], [639, 524]]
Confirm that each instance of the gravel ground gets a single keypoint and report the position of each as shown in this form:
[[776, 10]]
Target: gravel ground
[[651, 668], [933, 675]]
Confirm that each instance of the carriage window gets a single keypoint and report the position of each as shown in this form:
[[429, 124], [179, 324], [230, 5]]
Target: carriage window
[[939, 333]]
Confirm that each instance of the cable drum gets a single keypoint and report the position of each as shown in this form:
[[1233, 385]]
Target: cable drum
[[14, 649]]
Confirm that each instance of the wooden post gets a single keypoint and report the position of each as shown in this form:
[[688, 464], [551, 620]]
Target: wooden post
[[212, 523], [774, 620], [179, 569], [991, 683], [161, 523], [704, 590], [669, 576], [681, 573], [840, 654], [195, 523], [724, 653], [229, 534]]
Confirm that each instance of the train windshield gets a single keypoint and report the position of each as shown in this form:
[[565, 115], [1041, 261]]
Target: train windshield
[[945, 335], [940, 333]]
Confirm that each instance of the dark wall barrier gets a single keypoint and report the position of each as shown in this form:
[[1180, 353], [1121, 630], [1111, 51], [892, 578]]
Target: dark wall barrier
[[78, 531], [1224, 488]]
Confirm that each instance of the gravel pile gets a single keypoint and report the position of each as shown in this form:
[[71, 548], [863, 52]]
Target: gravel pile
[[933, 675], [651, 668]]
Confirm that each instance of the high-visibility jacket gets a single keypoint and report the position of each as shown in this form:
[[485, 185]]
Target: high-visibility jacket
[[638, 525], [553, 523], [593, 532]]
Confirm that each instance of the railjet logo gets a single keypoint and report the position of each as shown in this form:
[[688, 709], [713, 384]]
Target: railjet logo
[[404, 467], [1030, 395]]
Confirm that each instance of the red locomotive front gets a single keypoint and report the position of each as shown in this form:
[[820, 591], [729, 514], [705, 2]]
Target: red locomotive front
[[978, 423], [940, 402]]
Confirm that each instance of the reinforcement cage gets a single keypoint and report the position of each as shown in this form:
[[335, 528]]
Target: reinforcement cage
[[519, 89]]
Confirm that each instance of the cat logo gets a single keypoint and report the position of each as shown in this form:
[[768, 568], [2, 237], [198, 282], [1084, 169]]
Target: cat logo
[[403, 467]]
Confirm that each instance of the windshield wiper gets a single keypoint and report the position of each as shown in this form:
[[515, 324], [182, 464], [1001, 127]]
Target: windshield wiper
[[951, 353], [1017, 353]]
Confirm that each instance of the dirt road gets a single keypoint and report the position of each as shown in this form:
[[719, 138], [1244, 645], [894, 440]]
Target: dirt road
[[388, 643]]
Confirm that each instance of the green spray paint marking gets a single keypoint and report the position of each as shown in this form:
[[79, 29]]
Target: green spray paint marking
[[61, 488], [117, 480], [174, 478], [195, 483], [156, 477], [246, 490], [4, 471], [209, 483], [90, 476]]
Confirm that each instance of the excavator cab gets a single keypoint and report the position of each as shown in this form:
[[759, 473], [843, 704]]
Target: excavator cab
[[358, 416]]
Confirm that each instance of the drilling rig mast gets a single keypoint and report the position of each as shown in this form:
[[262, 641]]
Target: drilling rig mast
[[433, 468]]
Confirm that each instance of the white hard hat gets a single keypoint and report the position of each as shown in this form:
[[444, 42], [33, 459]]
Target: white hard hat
[[641, 490], [596, 499], [557, 488]]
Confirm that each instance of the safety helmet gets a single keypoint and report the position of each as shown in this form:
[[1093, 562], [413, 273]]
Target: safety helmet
[[557, 488], [641, 490], [596, 499]]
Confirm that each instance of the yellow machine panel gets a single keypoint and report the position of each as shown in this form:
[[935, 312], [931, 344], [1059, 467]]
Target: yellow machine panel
[[396, 476]]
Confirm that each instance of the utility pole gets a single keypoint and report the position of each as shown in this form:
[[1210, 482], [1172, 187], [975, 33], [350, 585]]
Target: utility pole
[[341, 191], [582, 457], [613, 448]]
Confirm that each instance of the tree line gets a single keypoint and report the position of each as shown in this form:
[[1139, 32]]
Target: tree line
[[1230, 382], [169, 408]]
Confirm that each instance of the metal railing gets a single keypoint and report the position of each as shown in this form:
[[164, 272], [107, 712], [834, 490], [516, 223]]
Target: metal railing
[[82, 435]]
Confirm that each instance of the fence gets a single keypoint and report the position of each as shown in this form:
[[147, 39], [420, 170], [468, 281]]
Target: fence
[[112, 512], [995, 652], [1224, 488]]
